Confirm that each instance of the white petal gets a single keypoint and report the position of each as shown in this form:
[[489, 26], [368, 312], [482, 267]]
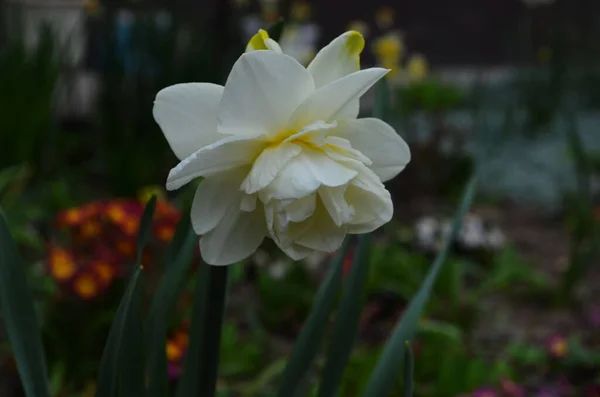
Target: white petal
[[338, 59], [378, 141], [301, 209], [340, 149], [262, 91], [371, 201], [267, 165], [236, 237], [295, 251], [338, 208], [323, 235], [224, 155], [213, 197], [187, 115], [304, 174], [337, 100], [248, 203]]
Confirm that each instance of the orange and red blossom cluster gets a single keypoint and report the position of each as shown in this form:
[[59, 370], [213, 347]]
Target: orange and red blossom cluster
[[96, 241]]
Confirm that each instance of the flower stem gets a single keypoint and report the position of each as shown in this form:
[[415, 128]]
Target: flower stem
[[217, 293]]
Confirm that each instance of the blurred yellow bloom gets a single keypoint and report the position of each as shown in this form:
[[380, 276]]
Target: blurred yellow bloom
[[417, 67], [62, 265], [384, 17], [92, 7], [86, 286], [389, 47], [544, 54], [360, 27], [300, 10], [90, 229]]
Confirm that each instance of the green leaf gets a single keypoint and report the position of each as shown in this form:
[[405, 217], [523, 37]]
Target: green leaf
[[390, 362], [122, 365], [409, 370], [276, 29], [118, 336], [165, 298], [145, 228], [131, 348], [20, 319], [311, 336], [346, 323], [189, 382]]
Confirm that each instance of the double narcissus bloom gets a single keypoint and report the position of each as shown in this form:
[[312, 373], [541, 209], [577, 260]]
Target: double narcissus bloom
[[282, 151]]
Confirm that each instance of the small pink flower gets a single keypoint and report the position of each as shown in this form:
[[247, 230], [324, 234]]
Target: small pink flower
[[485, 392]]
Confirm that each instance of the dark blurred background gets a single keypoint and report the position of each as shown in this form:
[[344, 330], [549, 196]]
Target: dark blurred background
[[507, 88]]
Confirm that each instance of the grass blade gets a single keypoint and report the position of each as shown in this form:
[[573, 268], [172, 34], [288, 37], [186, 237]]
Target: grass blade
[[409, 371], [346, 323], [127, 330], [108, 375], [189, 382], [312, 333], [145, 228], [131, 348], [20, 318], [165, 298], [391, 359]]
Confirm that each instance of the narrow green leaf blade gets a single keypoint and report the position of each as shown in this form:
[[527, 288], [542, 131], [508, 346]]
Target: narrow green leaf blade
[[311, 336], [20, 319], [131, 348], [108, 374], [117, 372], [390, 362], [409, 371], [189, 382], [165, 298], [346, 323], [145, 228]]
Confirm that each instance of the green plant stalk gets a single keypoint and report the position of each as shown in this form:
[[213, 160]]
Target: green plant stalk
[[214, 322]]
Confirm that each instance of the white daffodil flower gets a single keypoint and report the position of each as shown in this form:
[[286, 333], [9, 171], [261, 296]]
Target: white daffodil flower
[[282, 152]]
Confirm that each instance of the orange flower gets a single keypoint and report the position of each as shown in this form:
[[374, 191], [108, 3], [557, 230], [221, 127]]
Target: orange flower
[[116, 213], [70, 217], [174, 351], [126, 247], [86, 286], [130, 226], [90, 229], [105, 271], [165, 232], [61, 263], [558, 346]]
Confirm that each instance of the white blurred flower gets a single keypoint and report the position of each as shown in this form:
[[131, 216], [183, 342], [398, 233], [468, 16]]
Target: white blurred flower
[[300, 42], [282, 152], [261, 257], [426, 230], [472, 233], [314, 260], [495, 238], [279, 269]]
